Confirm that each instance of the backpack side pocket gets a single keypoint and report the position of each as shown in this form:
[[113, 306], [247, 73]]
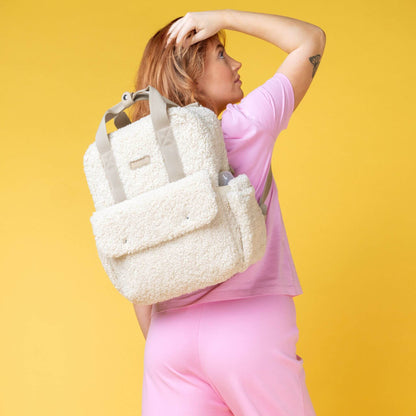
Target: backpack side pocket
[[249, 217]]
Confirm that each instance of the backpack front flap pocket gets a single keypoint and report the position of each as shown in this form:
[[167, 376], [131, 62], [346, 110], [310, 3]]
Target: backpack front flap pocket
[[155, 216]]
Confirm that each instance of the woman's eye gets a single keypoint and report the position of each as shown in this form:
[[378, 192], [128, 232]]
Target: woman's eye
[[221, 53]]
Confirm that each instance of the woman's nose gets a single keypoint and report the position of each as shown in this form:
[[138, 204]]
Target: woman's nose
[[236, 65]]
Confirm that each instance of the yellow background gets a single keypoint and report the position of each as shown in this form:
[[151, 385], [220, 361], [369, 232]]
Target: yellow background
[[70, 343]]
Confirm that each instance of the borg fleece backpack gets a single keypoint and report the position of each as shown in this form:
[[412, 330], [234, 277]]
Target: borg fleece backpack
[[164, 223]]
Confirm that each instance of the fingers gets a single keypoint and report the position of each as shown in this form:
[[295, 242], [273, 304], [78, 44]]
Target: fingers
[[180, 30], [183, 33], [174, 26], [173, 31]]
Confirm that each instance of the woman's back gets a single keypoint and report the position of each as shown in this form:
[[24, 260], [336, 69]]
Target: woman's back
[[250, 130]]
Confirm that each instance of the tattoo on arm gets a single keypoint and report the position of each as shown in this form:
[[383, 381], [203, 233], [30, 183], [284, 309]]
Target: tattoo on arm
[[315, 60]]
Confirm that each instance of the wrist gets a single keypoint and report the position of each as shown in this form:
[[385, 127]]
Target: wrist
[[225, 18]]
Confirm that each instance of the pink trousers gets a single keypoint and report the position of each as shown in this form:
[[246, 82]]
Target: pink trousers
[[231, 357]]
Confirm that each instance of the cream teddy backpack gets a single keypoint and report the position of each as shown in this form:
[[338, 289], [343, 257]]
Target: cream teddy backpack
[[163, 225]]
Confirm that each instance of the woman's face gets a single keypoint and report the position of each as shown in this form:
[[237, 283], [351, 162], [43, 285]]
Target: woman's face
[[218, 83]]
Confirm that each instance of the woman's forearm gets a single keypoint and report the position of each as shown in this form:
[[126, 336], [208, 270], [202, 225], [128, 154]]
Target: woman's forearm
[[286, 33], [144, 315]]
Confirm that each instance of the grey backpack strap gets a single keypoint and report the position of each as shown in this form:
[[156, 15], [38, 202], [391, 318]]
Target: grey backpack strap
[[163, 131], [267, 186], [164, 135], [106, 154]]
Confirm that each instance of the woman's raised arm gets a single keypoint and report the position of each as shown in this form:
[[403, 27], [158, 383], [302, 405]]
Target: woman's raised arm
[[285, 32], [303, 41]]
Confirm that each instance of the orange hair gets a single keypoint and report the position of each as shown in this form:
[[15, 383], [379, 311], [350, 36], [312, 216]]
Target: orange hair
[[173, 70]]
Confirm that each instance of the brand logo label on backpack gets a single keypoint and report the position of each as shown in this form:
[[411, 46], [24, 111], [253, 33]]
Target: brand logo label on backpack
[[134, 164]]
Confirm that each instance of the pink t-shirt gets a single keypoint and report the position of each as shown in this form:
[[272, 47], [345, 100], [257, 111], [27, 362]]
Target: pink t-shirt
[[250, 129]]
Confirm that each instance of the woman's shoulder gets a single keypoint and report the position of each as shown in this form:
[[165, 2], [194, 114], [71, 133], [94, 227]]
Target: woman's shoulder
[[268, 107]]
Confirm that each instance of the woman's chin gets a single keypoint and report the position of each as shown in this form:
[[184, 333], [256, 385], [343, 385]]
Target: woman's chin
[[239, 96]]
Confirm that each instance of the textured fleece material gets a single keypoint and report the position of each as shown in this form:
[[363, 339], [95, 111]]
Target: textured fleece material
[[250, 129], [155, 245]]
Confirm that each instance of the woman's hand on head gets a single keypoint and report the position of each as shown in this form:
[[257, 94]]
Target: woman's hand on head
[[196, 26]]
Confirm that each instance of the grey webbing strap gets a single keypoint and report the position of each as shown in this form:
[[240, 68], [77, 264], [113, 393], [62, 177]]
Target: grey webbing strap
[[163, 131], [107, 156], [165, 137], [122, 120], [267, 186]]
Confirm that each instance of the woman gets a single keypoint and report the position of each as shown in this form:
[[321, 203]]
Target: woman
[[230, 349]]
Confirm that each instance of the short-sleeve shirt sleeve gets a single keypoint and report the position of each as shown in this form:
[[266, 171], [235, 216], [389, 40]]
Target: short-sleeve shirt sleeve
[[251, 127], [269, 107]]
